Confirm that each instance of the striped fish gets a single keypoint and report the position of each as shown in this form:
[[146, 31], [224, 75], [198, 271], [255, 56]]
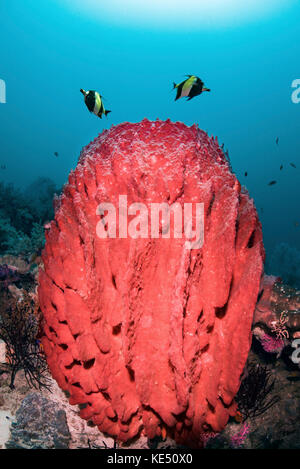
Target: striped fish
[[94, 103], [189, 88]]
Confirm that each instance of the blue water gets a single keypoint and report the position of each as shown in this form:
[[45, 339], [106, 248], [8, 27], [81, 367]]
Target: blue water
[[49, 51]]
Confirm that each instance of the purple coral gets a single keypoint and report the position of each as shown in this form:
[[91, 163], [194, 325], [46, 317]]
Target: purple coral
[[238, 439], [272, 344]]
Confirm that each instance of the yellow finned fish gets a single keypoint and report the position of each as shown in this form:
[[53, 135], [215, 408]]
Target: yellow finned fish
[[94, 103], [189, 88]]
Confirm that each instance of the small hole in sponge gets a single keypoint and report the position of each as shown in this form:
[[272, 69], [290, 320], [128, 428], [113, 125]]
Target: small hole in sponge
[[200, 316], [210, 406], [211, 203], [63, 346], [88, 364], [131, 374], [75, 362], [106, 395], [251, 240], [82, 406], [113, 279], [77, 385], [260, 295], [117, 329], [220, 312]]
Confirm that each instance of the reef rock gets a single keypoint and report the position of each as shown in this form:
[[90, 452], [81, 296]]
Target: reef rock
[[277, 300], [40, 424], [150, 333]]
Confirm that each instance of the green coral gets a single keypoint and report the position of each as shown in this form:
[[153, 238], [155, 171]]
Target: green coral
[[18, 243]]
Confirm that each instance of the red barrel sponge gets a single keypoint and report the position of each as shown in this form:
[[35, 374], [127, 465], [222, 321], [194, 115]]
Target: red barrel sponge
[[147, 334]]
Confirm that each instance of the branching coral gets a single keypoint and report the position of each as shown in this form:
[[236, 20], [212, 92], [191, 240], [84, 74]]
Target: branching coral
[[279, 327], [238, 439], [19, 327], [253, 396]]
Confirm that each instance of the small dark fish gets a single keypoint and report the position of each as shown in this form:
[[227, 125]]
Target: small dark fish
[[246, 174], [277, 140], [94, 103], [3, 166], [293, 165], [271, 183], [281, 167], [56, 153], [189, 88]]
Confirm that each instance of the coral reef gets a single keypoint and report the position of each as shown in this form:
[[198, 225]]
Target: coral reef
[[277, 312], [39, 196], [40, 424], [8, 275], [147, 335], [278, 426], [22, 217]]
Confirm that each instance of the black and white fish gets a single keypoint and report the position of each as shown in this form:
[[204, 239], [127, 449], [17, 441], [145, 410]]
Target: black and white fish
[[189, 88], [94, 103]]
